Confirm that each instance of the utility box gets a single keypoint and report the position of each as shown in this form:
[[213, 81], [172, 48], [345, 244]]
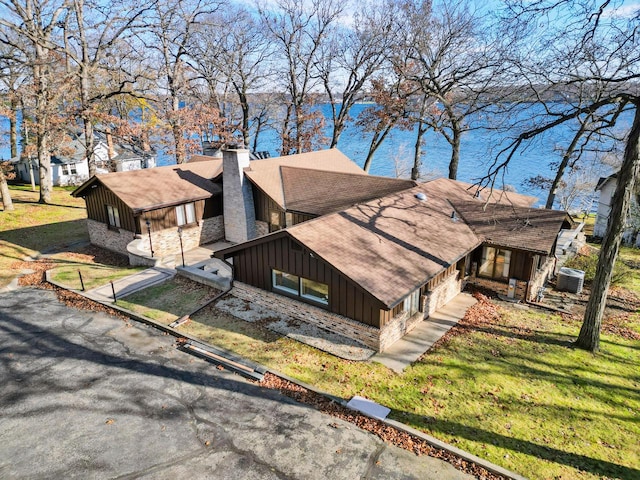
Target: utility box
[[511, 291]]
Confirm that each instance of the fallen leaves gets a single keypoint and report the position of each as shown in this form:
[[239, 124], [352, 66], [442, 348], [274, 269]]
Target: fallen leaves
[[386, 432]]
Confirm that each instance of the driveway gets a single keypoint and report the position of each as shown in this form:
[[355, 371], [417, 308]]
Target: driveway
[[86, 395]]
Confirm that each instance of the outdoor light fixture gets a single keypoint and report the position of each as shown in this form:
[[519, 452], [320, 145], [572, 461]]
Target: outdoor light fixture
[[181, 249], [149, 231]]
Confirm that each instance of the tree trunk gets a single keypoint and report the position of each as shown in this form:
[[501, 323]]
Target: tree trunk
[[455, 149], [4, 192], [417, 156], [44, 162], [13, 126], [376, 141], [563, 166], [589, 337]]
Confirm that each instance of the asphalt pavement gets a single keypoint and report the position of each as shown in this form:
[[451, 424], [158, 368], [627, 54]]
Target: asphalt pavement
[[87, 395]]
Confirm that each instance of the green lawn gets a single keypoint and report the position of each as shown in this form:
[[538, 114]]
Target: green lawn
[[169, 300], [509, 388], [37, 228]]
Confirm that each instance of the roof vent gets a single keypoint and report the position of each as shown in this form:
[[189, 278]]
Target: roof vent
[[477, 195], [454, 217], [421, 196]]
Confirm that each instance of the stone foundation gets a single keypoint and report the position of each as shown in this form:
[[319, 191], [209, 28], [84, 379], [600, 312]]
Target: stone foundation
[[167, 242], [401, 325], [365, 334], [540, 279], [115, 239], [397, 328]]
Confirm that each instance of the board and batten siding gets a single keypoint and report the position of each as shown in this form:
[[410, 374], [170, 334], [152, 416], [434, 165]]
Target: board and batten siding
[[162, 218], [253, 265], [98, 198]]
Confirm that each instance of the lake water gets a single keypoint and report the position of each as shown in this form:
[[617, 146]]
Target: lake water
[[477, 151]]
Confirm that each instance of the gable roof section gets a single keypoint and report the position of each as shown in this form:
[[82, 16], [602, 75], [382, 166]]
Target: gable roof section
[[266, 174], [532, 229], [148, 189], [319, 192]]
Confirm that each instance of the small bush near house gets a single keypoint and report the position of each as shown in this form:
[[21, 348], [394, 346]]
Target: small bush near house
[[589, 264]]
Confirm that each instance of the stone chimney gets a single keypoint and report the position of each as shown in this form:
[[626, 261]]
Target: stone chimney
[[239, 213]]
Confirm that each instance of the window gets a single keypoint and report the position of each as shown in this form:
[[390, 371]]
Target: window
[[274, 221], [72, 167], [302, 287], [114, 216], [286, 282], [316, 291], [412, 303], [65, 169], [495, 263], [186, 214]]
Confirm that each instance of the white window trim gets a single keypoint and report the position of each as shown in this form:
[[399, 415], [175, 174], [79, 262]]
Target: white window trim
[[281, 287]]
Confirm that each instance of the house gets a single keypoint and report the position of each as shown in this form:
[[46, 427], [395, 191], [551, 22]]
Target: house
[[607, 187], [70, 165], [316, 237], [138, 213], [373, 270]]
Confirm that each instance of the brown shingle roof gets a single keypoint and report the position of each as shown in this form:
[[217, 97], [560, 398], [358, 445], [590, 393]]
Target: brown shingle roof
[[392, 245], [533, 229], [152, 188], [318, 192], [266, 174]]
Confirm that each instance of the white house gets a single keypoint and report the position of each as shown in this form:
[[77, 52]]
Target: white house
[[72, 168], [607, 187]]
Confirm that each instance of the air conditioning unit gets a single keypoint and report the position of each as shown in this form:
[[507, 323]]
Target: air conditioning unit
[[570, 280]]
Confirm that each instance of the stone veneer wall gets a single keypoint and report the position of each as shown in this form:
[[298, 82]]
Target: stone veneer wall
[[112, 239], [166, 242], [399, 326], [366, 334], [541, 278], [442, 294]]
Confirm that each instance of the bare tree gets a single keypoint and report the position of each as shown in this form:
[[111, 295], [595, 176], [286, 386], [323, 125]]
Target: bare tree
[[174, 24], [454, 62], [299, 31], [13, 77], [391, 95], [354, 54], [93, 30], [240, 58], [587, 42], [34, 24]]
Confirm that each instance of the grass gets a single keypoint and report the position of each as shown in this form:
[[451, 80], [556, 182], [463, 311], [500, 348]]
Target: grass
[[169, 300], [511, 389], [93, 274], [34, 228]]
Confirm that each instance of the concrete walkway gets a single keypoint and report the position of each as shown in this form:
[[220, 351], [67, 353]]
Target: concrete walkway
[[131, 284], [413, 345]]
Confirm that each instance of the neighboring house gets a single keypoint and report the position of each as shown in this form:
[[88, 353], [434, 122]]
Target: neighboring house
[[137, 213], [72, 167], [316, 237], [607, 187]]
